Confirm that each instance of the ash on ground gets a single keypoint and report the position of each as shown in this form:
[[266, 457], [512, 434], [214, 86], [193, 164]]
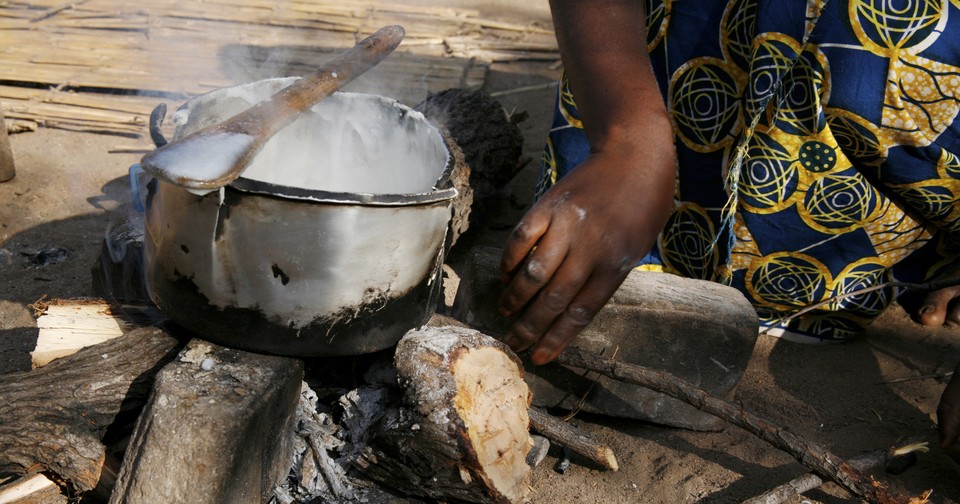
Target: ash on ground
[[330, 433]]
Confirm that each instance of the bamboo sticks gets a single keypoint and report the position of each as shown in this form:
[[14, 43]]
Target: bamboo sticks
[[182, 48], [78, 111]]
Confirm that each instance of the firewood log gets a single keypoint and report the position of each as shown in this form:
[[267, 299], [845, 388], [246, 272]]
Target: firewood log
[[460, 430], [215, 429], [486, 146], [67, 325], [55, 417]]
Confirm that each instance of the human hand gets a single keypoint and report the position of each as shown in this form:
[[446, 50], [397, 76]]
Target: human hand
[[573, 249], [948, 417]]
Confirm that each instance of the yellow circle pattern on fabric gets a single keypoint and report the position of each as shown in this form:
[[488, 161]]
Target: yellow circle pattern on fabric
[[808, 167], [705, 101], [738, 27], [788, 280], [885, 27], [689, 236], [658, 19]]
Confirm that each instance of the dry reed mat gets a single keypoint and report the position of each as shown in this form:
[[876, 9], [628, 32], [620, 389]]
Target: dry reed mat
[[102, 65]]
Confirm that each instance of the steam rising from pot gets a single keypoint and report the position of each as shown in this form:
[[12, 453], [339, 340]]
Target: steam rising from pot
[[347, 143]]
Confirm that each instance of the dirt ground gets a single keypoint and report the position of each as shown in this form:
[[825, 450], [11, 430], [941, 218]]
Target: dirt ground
[[855, 397]]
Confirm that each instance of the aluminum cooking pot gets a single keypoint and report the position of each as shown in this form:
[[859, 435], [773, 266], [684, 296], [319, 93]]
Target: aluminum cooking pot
[[330, 243]]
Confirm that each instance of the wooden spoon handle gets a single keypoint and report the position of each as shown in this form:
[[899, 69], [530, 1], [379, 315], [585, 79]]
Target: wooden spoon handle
[[215, 156], [264, 119]]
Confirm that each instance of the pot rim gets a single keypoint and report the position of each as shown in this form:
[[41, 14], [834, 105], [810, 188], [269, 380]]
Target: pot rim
[[435, 195], [320, 196]]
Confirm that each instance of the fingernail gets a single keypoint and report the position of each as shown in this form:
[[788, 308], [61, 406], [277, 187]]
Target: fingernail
[[925, 309], [540, 356]]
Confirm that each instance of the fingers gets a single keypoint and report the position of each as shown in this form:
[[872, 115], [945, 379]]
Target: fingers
[[549, 303], [534, 272], [574, 319], [521, 241], [560, 312]]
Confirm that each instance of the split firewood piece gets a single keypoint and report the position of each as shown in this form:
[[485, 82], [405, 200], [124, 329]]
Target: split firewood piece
[[567, 435], [216, 428], [67, 325], [33, 489], [807, 452], [55, 418], [461, 430], [895, 460]]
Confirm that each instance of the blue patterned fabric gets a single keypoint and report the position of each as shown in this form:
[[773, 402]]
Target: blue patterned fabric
[[817, 148]]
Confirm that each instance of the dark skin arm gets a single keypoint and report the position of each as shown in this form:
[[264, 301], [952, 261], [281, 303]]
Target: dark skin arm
[[948, 416], [575, 247]]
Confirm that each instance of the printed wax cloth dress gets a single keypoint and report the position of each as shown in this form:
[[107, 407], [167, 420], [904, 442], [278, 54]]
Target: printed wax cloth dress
[[817, 147]]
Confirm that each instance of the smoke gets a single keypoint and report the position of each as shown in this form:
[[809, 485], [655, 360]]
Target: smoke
[[348, 143], [124, 231], [119, 275], [401, 76]]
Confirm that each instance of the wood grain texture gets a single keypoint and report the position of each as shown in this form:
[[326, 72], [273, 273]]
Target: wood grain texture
[[55, 417]]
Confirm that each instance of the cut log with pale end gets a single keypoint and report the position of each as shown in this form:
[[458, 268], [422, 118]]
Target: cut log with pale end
[[67, 325], [461, 430], [216, 429], [55, 418]]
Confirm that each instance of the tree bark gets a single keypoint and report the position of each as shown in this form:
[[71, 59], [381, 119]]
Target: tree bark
[[218, 427], [55, 418], [567, 435]]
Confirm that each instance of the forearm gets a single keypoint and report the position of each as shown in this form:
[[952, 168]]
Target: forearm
[[603, 48]]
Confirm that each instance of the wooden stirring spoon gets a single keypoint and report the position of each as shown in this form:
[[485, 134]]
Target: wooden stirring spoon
[[212, 157]]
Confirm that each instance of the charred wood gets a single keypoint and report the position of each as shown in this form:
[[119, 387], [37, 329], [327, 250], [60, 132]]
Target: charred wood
[[895, 460]]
